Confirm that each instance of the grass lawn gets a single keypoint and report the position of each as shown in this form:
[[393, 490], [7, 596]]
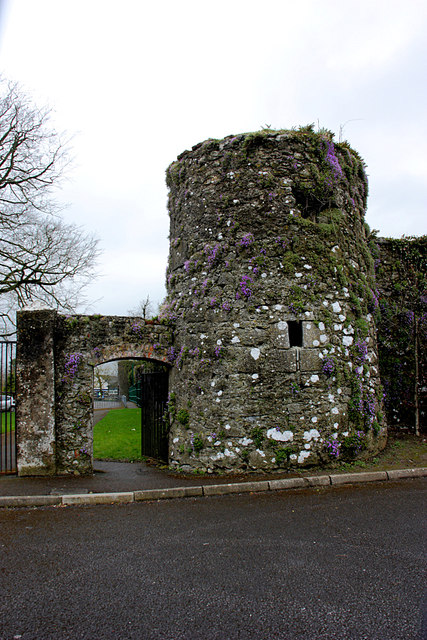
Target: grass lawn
[[118, 436], [7, 422]]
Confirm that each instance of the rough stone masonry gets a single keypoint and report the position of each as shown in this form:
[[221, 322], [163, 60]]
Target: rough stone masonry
[[270, 289], [269, 326]]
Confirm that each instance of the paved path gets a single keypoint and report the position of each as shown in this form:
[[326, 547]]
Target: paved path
[[337, 563]]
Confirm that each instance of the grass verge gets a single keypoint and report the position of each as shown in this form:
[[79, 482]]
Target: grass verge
[[403, 450], [118, 436]]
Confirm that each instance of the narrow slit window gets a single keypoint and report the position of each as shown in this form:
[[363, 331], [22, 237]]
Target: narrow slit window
[[295, 333]]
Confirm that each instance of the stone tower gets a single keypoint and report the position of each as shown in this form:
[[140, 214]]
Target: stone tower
[[270, 288]]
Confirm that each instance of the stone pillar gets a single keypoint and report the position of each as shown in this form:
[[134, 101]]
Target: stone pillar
[[35, 411]]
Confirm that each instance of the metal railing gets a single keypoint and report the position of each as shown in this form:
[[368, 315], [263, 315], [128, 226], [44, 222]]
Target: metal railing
[[7, 407]]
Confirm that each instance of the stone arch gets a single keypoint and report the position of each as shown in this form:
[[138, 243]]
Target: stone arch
[[126, 351], [55, 362]]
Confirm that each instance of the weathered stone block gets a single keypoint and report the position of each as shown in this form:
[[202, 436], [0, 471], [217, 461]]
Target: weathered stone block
[[283, 360], [309, 360], [311, 335], [280, 335]]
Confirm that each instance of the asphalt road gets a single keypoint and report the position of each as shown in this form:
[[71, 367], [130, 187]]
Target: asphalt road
[[336, 563]]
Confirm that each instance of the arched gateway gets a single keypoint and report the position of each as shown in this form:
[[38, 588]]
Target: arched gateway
[[55, 360]]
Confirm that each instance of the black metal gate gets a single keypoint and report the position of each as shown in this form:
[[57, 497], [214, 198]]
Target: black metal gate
[[153, 389], [7, 407]]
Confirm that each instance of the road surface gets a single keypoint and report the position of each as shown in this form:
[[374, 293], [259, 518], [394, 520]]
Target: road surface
[[319, 564]]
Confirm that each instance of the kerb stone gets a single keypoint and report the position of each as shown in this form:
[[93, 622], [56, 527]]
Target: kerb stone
[[351, 478], [238, 487], [29, 501], [98, 498], [316, 481], [287, 483], [175, 492], [396, 474]]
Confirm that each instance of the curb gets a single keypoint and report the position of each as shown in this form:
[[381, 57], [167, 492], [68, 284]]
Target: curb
[[126, 497]]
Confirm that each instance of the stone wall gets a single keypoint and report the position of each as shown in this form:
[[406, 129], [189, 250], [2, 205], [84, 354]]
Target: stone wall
[[275, 291], [55, 361], [401, 274], [270, 287]]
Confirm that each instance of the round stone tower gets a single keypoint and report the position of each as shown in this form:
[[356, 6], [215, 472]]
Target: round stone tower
[[270, 289]]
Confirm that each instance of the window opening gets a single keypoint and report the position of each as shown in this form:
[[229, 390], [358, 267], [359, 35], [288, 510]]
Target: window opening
[[295, 333]]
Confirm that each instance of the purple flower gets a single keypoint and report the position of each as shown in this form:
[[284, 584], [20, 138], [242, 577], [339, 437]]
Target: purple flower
[[328, 366], [138, 329], [373, 303], [72, 363], [244, 291], [171, 354], [408, 318], [360, 351], [180, 357], [332, 160], [333, 447], [211, 253], [247, 240]]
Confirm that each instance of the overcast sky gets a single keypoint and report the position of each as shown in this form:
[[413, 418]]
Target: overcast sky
[[136, 82]]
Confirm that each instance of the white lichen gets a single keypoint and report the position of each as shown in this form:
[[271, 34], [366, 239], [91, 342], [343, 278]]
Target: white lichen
[[280, 436], [313, 434]]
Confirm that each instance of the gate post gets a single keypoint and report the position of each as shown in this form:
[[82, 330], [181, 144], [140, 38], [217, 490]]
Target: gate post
[[35, 381]]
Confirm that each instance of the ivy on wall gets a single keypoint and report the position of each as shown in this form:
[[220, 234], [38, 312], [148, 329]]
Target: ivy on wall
[[401, 274]]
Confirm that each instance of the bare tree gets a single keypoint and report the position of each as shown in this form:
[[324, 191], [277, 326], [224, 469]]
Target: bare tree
[[104, 373], [42, 259], [144, 309]]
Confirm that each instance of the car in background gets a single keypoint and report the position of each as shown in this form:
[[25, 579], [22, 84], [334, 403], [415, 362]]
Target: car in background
[[7, 403]]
